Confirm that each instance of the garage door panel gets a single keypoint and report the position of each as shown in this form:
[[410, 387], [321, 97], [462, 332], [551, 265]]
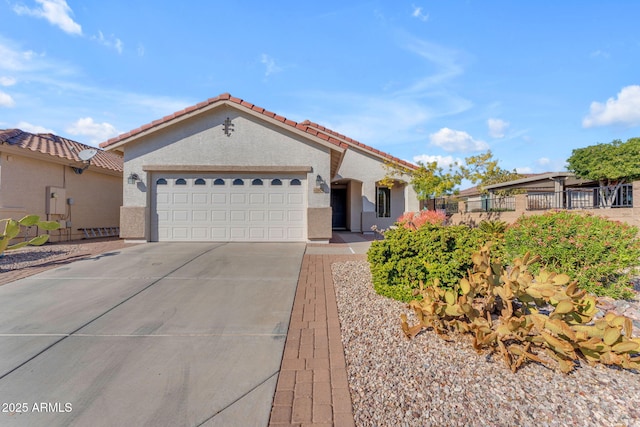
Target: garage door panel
[[200, 199], [218, 199], [219, 216], [201, 210], [295, 233], [219, 233], [295, 216], [276, 199], [199, 216], [238, 216], [182, 215], [257, 233], [181, 233], [163, 198], [180, 198], [163, 215], [199, 233], [239, 233], [238, 199], [296, 199], [257, 215], [256, 199]]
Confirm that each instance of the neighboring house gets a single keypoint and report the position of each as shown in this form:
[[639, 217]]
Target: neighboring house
[[227, 170], [42, 174], [545, 191]]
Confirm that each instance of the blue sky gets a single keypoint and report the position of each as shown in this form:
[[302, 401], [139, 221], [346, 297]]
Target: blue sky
[[421, 80]]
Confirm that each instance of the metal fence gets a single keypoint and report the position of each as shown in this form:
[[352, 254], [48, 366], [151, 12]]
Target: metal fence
[[583, 198], [491, 204], [449, 207]]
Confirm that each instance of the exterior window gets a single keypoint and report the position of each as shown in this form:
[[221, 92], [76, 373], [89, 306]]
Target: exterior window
[[161, 181], [218, 181], [181, 181], [295, 182], [276, 182], [256, 181], [200, 181], [238, 181], [383, 202]]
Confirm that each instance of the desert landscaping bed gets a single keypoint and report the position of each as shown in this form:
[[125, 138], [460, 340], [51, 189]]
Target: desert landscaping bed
[[431, 382]]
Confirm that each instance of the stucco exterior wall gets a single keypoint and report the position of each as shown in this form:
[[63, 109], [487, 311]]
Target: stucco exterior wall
[[23, 190], [368, 171], [201, 141]]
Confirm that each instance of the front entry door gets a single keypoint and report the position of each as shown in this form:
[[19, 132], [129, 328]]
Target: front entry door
[[339, 208]]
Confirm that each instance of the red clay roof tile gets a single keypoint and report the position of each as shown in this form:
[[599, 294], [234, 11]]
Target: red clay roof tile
[[58, 146], [305, 126]]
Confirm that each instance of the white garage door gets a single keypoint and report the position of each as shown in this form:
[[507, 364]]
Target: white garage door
[[208, 207]]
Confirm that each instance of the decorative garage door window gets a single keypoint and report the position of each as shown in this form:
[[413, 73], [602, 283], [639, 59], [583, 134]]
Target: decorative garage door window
[[233, 207]]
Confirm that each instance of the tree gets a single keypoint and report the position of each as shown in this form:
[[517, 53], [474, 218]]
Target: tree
[[429, 180], [612, 165], [483, 170]]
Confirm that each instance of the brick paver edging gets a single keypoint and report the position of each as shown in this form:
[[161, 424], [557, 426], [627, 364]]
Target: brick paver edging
[[312, 388]]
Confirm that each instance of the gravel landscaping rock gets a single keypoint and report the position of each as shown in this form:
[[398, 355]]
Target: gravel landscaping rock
[[428, 381], [35, 255]]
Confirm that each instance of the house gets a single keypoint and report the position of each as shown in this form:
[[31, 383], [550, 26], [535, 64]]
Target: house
[[228, 170], [45, 175], [535, 193]]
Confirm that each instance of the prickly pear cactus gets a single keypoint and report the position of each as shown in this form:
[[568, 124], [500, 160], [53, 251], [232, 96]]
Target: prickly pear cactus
[[12, 228], [520, 316]]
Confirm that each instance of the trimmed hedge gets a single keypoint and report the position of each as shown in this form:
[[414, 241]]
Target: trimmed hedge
[[406, 257], [599, 253]]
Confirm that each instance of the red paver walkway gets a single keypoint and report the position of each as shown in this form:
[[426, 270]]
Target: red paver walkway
[[313, 389]]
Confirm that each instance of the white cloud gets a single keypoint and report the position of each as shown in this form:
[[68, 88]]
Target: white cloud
[[625, 110], [456, 140], [6, 100], [599, 54], [97, 132], [543, 161], [7, 81], [140, 49], [524, 170], [497, 127], [270, 63], [111, 42], [443, 161], [28, 127], [57, 12], [417, 13]]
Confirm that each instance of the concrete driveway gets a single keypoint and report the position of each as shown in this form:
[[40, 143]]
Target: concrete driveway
[[180, 334]]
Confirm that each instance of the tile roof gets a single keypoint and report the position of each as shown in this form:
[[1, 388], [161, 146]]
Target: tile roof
[[308, 127], [58, 146]]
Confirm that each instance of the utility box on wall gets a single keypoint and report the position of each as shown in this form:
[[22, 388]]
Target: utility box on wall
[[56, 201]]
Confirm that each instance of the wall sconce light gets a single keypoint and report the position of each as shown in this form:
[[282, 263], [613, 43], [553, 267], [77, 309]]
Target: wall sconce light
[[320, 184], [133, 178]]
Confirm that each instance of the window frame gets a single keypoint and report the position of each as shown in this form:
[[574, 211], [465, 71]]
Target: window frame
[[383, 202]]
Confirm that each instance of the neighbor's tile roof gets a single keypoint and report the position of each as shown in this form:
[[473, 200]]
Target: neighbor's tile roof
[[58, 146], [306, 126]]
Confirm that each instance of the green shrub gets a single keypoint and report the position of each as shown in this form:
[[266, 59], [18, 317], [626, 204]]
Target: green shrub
[[595, 251], [406, 257]]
